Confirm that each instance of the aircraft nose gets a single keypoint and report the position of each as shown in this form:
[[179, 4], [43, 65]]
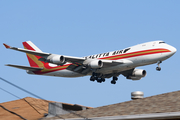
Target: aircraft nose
[[173, 50]]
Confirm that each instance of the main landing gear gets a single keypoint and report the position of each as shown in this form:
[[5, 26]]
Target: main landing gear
[[99, 78], [114, 80], [158, 68]]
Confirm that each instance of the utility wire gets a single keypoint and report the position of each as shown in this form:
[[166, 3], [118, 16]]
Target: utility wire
[[9, 93], [41, 98], [23, 99], [21, 88], [32, 105], [9, 110]]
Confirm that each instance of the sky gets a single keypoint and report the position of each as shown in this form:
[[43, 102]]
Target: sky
[[81, 28]]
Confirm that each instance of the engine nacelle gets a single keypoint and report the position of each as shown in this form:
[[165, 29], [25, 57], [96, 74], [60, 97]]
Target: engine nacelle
[[95, 64], [57, 59], [133, 78], [137, 74]]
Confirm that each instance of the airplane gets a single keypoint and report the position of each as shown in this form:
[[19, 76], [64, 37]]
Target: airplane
[[98, 66]]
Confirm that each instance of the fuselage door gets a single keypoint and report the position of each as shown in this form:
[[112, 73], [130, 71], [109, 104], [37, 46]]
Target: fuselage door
[[154, 43]]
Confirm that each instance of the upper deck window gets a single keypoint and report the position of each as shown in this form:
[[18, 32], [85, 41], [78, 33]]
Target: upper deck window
[[161, 42]]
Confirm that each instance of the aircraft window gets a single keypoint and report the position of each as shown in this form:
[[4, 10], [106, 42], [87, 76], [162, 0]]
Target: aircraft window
[[114, 53], [161, 42], [120, 52], [100, 55], [96, 56], [126, 50], [107, 54]]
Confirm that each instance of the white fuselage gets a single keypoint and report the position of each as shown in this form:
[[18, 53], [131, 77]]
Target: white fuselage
[[138, 55]]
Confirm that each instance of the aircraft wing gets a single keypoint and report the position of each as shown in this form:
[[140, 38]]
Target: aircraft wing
[[27, 51], [25, 67], [79, 62], [45, 55]]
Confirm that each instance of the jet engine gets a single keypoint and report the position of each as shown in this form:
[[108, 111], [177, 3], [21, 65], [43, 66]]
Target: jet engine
[[96, 64], [137, 74], [57, 59]]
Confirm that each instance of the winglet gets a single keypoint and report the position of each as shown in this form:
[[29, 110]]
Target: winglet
[[7, 46]]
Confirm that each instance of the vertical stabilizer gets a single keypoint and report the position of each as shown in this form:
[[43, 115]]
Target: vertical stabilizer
[[33, 59]]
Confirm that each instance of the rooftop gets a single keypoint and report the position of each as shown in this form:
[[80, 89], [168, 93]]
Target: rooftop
[[163, 103], [167, 104], [29, 108]]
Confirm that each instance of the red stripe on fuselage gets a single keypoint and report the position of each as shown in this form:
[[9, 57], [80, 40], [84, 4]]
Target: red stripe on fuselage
[[121, 56], [136, 54]]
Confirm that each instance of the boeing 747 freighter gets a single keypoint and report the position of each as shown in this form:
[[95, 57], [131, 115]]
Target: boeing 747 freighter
[[98, 66]]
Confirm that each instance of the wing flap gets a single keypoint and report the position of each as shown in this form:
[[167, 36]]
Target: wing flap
[[113, 61], [74, 59], [109, 63], [25, 67]]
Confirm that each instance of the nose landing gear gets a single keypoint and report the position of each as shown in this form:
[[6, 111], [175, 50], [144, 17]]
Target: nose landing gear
[[158, 68]]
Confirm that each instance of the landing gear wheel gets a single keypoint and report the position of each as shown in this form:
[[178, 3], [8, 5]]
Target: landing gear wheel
[[113, 82], [99, 81], [102, 79], [98, 77], [92, 78], [158, 68]]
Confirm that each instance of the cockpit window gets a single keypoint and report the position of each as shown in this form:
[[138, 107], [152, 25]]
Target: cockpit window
[[161, 42]]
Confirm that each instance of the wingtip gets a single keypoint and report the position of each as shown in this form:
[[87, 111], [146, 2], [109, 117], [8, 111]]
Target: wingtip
[[7, 64], [7, 46]]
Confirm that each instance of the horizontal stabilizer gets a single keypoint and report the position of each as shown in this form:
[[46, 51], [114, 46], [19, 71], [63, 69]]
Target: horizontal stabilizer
[[25, 67]]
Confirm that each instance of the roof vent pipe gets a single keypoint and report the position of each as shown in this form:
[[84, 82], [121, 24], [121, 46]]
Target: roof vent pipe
[[137, 95]]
